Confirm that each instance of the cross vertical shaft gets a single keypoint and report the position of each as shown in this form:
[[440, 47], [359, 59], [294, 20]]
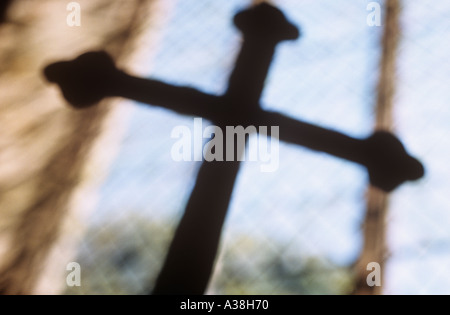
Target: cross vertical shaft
[[190, 259], [246, 82], [191, 256]]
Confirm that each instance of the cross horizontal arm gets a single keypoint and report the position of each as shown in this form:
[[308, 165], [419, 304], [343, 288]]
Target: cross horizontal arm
[[384, 156], [92, 76], [314, 137], [183, 100]]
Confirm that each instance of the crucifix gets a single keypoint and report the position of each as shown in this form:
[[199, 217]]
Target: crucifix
[[93, 76]]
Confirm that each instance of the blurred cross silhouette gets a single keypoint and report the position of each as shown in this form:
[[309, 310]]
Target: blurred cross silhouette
[[92, 76]]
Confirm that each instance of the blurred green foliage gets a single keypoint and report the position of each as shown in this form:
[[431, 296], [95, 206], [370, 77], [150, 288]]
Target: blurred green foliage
[[124, 257]]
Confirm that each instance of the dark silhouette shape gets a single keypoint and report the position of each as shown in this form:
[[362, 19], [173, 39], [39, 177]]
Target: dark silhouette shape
[[187, 269], [4, 5]]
